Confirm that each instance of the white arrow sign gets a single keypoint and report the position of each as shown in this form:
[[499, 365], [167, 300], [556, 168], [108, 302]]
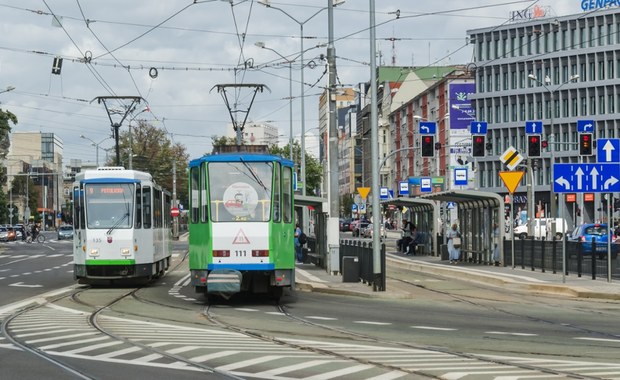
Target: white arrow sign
[[579, 174], [594, 175], [563, 182], [608, 148], [610, 182]]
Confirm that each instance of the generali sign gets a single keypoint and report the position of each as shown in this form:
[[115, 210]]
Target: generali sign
[[588, 5]]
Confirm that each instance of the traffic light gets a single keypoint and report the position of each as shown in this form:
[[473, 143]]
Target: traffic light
[[428, 146], [585, 144], [533, 146], [478, 146]]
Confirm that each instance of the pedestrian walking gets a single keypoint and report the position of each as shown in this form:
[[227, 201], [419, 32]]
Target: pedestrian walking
[[454, 244], [298, 247]]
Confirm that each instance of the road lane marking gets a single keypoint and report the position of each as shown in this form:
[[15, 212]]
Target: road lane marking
[[509, 333], [433, 328], [372, 323]]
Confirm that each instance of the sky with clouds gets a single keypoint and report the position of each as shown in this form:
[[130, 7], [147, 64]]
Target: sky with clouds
[[110, 47]]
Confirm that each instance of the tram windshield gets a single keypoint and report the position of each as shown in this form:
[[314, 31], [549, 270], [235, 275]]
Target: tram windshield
[[109, 205], [240, 191]]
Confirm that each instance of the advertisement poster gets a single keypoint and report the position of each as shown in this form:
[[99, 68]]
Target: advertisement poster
[[461, 111]]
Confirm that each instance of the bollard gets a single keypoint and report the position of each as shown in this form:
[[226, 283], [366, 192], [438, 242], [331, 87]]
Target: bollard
[[593, 259], [522, 253], [542, 256], [554, 256], [579, 258]]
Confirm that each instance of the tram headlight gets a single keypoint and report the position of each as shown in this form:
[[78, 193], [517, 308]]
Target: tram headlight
[[94, 252], [125, 251]]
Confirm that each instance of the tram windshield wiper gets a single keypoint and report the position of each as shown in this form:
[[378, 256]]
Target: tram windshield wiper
[[258, 180], [118, 223]]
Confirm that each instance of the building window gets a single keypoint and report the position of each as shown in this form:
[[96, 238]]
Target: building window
[[497, 82], [522, 106], [584, 106], [591, 36], [592, 105], [547, 109], [574, 107], [514, 111], [564, 107], [539, 112], [601, 104], [505, 113], [592, 76], [522, 79], [505, 76], [515, 80], [610, 69], [530, 106], [601, 70], [611, 103], [601, 40]]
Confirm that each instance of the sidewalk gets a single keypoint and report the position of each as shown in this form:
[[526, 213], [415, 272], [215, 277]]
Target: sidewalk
[[314, 279]]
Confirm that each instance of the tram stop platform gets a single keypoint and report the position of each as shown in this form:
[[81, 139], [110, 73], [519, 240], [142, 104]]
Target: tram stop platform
[[312, 278]]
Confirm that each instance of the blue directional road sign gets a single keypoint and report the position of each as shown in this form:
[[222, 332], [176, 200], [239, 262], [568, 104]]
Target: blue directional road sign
[[428, 127], [478, 128], [426, 184], [450, 205], [608, 150], [403, 188], [354, 207], [533, 127], [460, 176], [585, 126], [586, 178]]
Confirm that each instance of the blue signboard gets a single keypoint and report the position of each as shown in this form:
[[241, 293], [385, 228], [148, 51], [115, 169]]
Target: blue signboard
[[428, 127], [478, 128], [354, 207], [384, 193], [608, 150], [585, 126], [462, 113], [533, 127], [426, 184], [450, 205], [403, 188], [590, 178], [460, 176]]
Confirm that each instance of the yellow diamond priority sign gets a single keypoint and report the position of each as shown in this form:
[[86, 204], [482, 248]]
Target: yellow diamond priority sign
[[511, 180], [511, 157]]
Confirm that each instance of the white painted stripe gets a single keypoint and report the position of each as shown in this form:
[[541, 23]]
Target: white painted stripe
[[308, 275], [39, 333], [182, 279], [433, 328], [147, 358], [291, 368], [56, 255], [180, 350], [64, 337], [460, 375], [26, 273], [176, 365], [390, 376], [373, 323], [245, 309], [124, 351], [321, 318], [340, 372], [275, 313], [221, 354], [94, 347], [599, 339], [186, 282], [73, 343], [509, 333], [250, 362]]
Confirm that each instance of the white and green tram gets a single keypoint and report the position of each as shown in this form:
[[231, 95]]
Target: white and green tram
[[122, 225]]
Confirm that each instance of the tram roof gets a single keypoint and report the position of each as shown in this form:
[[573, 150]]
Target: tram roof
[[240, 157]]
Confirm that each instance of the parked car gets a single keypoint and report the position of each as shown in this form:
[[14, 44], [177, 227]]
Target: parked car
[[4, 234], [369, 230], [357, 226], [65, 232], [599, 231], [540, 226], [345, 225]]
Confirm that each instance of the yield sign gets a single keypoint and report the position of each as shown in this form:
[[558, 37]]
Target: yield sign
[[511, 180], [363, 191]]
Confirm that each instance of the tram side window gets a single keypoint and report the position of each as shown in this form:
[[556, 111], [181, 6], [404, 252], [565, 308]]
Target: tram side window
[[287, 195], [167, 208], [78, 217], [277, 192], [146, 206], [203, 193], [195, 185], [138, 206], [157, 209]]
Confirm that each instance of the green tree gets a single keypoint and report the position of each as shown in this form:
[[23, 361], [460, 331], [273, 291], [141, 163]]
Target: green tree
[[6, 118], [154, 152], [314, 170]]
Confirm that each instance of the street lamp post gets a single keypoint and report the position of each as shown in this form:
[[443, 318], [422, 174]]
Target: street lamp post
[[96, 145], [290, 98], [301, 24], [546, 84]]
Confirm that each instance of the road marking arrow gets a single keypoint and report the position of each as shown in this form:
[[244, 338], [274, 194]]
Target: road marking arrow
[[579, 174], [22, 285], [610, 182], [608, 148], [563, 182], [594, 174]]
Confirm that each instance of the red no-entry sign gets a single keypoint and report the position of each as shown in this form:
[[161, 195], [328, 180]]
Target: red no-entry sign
[[174, 212]]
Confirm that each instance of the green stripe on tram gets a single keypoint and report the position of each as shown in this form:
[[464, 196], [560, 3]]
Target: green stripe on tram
[[110, 262]]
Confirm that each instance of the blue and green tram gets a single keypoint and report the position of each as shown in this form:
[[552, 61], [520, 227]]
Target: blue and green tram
[[241, 224]]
